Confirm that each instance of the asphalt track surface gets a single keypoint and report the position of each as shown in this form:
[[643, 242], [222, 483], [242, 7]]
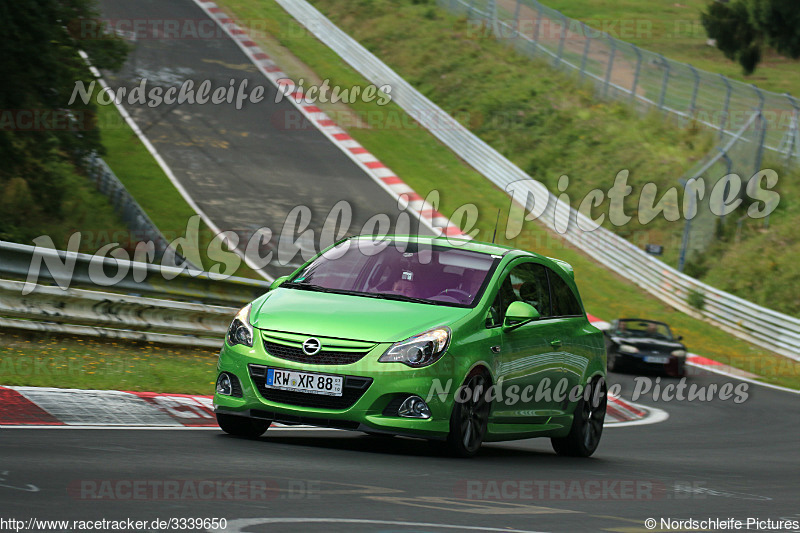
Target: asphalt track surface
[[737, 460], [245, 168]]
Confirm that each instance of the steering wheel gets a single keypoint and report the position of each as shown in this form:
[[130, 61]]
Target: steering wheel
[[449, 292]]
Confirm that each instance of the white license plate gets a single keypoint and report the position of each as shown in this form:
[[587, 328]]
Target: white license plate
[[304, 382], [657, 359]]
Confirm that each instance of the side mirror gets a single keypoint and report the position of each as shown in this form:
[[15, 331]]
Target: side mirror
[[679, 338], [519, 314], [278, 282]]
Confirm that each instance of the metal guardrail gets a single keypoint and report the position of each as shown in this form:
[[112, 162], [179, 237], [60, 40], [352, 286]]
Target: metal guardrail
[[17, 261], [113, 315], [148, 303], [746, 320], [128, 209]]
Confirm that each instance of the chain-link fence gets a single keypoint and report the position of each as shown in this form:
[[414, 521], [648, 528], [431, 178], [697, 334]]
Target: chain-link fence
[[749, 121], [646, 79]]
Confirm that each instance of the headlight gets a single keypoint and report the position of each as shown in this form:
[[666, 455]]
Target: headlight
[[241, 331], [627, 348], [420, 350], [679, 353]]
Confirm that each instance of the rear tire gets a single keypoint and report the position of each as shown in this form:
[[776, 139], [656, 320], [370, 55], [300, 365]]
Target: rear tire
[[242, 426], [470, 418], [587, 423]]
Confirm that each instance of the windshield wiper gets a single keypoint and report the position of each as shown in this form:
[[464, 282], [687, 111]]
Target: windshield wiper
[[400, 297], [306, 287]]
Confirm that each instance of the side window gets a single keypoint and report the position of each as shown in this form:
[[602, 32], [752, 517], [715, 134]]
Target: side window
[[565, 303], [529, 282], [497, 312]]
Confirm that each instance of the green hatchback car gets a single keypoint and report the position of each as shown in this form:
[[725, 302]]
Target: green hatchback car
[[453, 341]]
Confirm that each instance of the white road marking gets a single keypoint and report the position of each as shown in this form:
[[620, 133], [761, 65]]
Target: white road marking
[[238, 526]]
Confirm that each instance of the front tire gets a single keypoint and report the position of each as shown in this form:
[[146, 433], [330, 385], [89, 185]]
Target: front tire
[[587, 423], [470, 417], [241, 426]]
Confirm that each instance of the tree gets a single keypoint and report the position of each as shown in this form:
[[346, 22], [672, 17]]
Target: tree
[[39, 65], [743, 28]]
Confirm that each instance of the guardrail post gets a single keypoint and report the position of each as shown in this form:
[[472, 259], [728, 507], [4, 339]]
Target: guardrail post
[[493, 17], [760, 96], [694, 91], [537, 28], [664, 83], [564, 25], [729, 165], [686, 227], [586, 47], [636, 72], [760, 149], [726, 107], [793, 127], [610, 67], [516, 19]]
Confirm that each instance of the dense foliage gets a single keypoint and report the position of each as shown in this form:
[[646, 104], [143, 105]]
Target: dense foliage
[[743, 28], [41, 136]]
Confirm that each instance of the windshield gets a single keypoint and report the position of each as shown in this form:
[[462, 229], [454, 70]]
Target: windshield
[[644, 328], [404, 271]]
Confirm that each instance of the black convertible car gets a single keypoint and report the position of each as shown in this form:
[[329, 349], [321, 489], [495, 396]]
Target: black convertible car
[[639, 344]]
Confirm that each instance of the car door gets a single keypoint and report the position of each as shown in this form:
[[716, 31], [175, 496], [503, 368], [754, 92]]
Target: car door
[[569, 324], [528, 364]]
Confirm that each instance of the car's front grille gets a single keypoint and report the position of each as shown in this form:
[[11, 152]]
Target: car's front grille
[[354, 388], [333, 352], [323, 357]]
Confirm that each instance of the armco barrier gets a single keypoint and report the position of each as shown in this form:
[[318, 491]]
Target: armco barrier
[[149, 303], [105, 314], [769, 329], [105, 309], [143, 279]]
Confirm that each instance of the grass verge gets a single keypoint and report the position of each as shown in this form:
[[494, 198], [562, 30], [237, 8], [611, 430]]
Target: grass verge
[[84, 363]]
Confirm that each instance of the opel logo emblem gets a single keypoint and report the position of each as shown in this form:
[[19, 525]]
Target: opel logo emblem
[[311, 346]]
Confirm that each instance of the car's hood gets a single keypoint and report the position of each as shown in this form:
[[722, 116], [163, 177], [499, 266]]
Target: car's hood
[[649, 345], [350, 317]]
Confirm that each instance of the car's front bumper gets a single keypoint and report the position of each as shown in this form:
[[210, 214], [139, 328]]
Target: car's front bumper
[[672, 365], [367, 411]]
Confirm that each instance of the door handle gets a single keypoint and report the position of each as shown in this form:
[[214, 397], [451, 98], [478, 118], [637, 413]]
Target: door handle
[[495, 349], [555, 343]]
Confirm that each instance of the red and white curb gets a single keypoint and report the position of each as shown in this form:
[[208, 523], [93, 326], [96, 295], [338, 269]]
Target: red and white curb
[[42, 407], [380, 173]]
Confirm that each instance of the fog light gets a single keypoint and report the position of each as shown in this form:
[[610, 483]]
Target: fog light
[[224, 385], [414, 407]]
